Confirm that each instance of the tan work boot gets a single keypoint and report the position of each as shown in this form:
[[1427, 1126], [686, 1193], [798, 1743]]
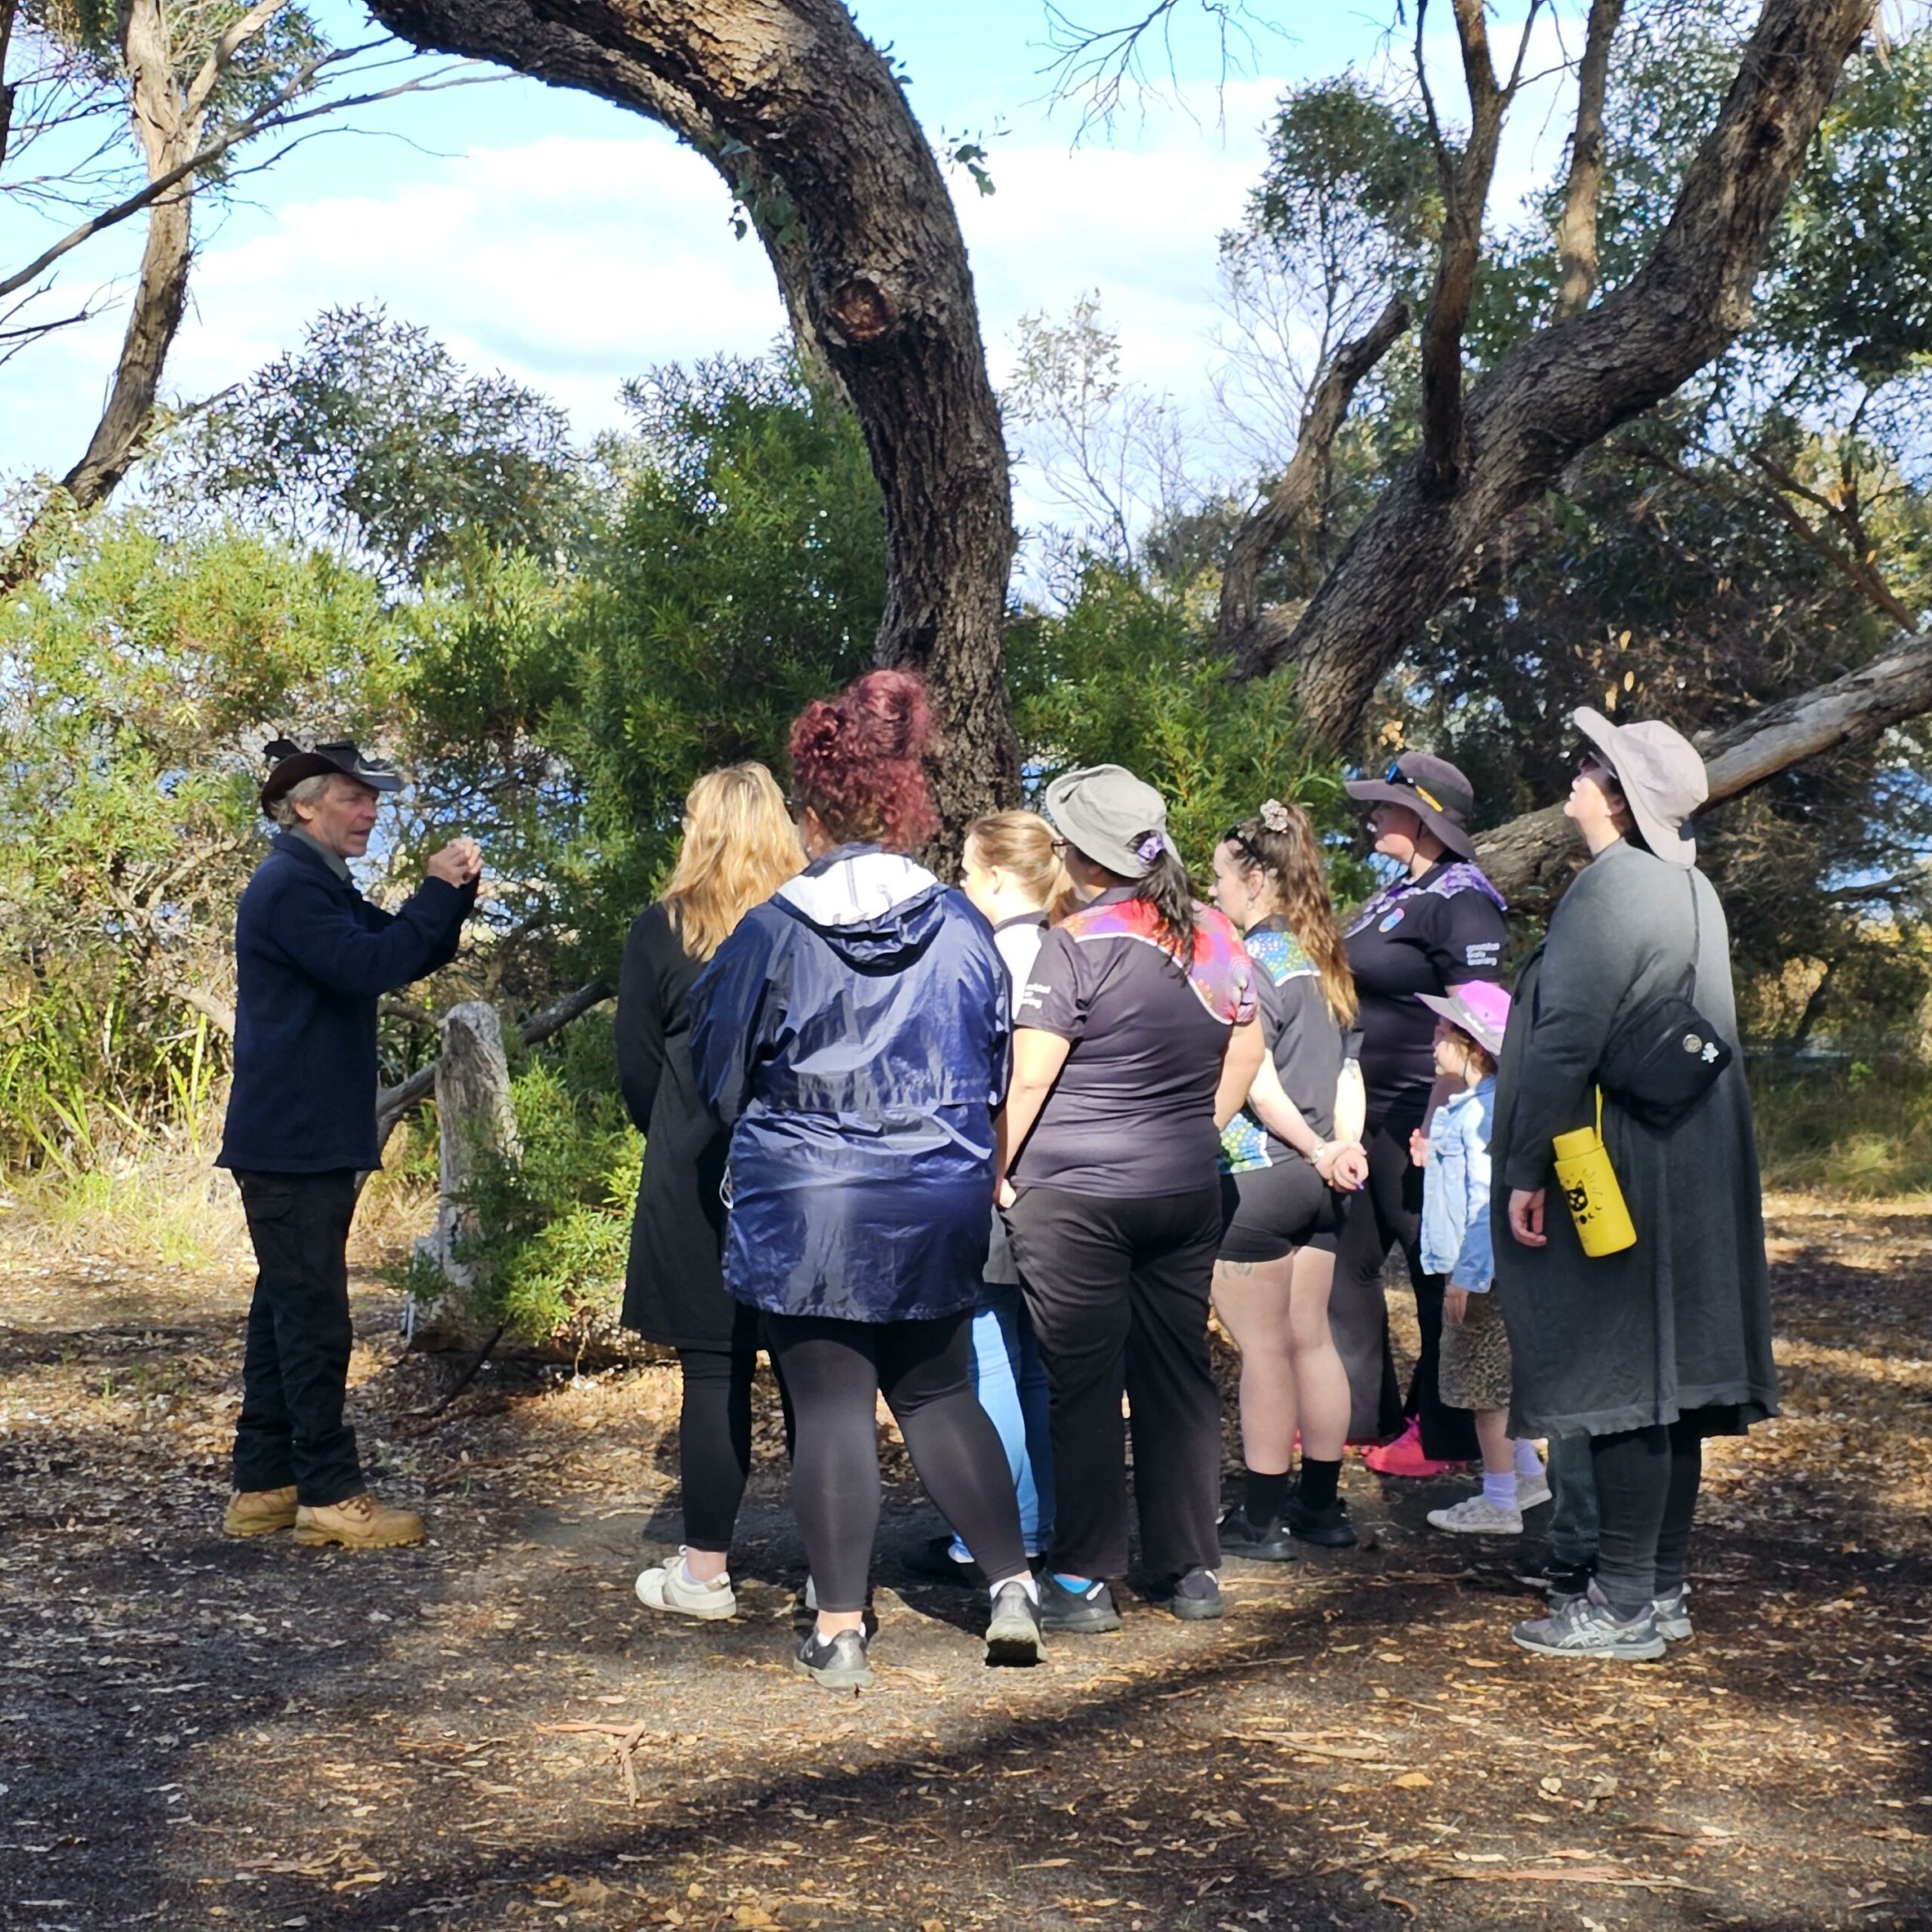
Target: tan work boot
[[358, 1522], [259, 1512]]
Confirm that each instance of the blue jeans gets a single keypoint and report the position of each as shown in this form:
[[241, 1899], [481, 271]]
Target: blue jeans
[[1010, 1381]]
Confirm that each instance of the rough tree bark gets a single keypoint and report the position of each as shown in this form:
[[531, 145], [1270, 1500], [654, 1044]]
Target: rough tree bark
[[9, 11], [1529, 857], [804, 119], [1569, 385], [1582, 191]]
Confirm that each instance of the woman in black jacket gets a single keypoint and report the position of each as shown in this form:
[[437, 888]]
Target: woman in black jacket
[[739, 847]]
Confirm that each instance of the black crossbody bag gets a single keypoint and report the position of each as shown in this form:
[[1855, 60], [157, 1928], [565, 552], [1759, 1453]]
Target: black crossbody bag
[[1665, 1056]]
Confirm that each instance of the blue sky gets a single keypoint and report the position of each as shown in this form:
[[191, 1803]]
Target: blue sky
[[573, 244]]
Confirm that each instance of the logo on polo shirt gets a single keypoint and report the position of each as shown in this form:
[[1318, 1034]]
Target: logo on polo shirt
[[1484, 953], [1394, 920]]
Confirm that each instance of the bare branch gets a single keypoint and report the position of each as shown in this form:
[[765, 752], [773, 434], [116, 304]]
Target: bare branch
[[1582, 193], [1269, 528], [1100, 66], [266, 120]]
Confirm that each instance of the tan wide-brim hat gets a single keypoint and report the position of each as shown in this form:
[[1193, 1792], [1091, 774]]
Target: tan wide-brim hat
[[1661, 775]]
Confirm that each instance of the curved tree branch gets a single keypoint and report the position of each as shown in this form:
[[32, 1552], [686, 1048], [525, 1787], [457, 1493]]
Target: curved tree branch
[[1568, 385], [854, 209], [1244, 628]]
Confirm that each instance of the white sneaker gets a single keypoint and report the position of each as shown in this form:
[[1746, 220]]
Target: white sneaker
[[669, 1587], [1532, 1490], [1477, 1516]]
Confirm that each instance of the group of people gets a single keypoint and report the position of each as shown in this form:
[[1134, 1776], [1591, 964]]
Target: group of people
[[994, 1151]]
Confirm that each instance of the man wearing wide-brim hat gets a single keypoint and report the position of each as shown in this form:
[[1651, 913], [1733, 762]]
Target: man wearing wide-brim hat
[[312, 957]]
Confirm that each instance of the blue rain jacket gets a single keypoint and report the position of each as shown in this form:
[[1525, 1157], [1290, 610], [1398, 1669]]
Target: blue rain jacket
[[852, 1034]]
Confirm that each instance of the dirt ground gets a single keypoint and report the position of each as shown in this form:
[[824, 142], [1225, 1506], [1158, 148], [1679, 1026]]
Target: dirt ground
[[489, 1732]]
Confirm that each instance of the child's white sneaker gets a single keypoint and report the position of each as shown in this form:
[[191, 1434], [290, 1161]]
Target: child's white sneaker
[[671, 1586], [1477, 1516], [1531, 1490]]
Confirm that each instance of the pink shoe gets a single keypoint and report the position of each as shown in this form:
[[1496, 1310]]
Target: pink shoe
[[1404, 1456]]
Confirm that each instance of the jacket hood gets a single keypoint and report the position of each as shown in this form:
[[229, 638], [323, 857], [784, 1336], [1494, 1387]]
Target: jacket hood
[[879, 911]]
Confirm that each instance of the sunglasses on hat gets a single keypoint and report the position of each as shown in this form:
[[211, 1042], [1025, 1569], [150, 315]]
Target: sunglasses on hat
[[1396, 775]]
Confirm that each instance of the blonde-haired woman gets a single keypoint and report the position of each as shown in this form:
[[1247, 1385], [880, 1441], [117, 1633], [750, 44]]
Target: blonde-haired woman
[[1294, 1152], [740, 846], [1009, 869]]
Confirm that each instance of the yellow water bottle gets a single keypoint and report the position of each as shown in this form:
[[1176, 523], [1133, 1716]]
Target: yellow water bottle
[[1590, 1189]]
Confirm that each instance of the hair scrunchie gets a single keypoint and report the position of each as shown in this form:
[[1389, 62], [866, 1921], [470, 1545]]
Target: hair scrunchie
[[1275, 815]]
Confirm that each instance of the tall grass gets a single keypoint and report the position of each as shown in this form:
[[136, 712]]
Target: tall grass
[[1862, 1128]]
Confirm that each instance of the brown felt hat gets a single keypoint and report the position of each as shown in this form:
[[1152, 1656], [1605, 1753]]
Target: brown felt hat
[[1433, 789], [1659, 773], [292, 764]]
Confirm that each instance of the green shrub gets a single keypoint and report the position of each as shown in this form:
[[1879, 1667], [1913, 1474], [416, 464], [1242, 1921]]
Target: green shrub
[[554, 1223]]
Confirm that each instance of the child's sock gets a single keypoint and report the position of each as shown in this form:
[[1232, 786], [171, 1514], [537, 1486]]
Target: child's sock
[[1026, 1582], [1262, 1496], [1501, 1490], [1528, 1463], [1316, 1487]]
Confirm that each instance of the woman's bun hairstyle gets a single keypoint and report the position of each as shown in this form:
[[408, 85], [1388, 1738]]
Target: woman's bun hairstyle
[[857, 760]]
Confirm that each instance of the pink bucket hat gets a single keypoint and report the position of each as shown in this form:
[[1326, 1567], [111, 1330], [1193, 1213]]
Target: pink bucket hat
[[1481, 1009]]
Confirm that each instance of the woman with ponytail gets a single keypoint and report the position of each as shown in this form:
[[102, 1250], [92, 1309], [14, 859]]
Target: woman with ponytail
[[852, 1036], [1135, 1041], [1295, 1153]]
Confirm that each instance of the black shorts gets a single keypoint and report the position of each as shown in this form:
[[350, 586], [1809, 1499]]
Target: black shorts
[[1281, 1208]]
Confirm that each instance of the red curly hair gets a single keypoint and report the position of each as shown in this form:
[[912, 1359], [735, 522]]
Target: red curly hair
[[857, 760]]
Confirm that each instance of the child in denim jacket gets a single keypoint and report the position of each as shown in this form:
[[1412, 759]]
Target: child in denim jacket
[[1475, 1368]]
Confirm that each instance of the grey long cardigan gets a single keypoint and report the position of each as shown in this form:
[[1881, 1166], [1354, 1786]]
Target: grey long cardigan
[[1682, 1321]]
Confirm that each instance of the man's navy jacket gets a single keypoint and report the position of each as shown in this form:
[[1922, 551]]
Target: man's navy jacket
[[311, 957]]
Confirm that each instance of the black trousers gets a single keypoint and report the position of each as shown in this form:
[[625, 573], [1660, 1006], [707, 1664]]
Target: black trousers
[[714, 1440], [836, 1372], [1647, 1483], [1119, 1291], [1387, 1213], [295, 1367]]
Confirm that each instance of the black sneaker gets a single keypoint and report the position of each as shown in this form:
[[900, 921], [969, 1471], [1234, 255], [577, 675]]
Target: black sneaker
[[1013, 1631], [1081, 1612], [1195, 1597], [1271, 1544], [1329, 1527], [838, 1663], [932, 1561]]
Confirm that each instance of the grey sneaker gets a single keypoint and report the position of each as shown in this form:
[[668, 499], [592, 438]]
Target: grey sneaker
[[1013, 1631], [1532, 1491], [838, 1663], [1673, 1614], [1585, 1627]]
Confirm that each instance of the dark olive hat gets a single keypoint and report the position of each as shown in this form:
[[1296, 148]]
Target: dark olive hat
[[292, 764], [1433, 789]]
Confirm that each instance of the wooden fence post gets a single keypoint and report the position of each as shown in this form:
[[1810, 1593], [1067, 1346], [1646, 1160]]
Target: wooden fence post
[[476, 1124]]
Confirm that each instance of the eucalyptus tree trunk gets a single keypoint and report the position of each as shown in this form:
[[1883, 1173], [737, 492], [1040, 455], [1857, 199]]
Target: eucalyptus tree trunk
[[805, 121]]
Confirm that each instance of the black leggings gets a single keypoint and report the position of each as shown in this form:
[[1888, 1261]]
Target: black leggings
[[836, 1372], [1646, 1494], [714, 1440], [1389, 1211]]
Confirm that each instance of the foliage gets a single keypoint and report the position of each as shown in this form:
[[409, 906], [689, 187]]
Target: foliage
[[375, 432], [133, 680], [556, 1222], [1127, 675]]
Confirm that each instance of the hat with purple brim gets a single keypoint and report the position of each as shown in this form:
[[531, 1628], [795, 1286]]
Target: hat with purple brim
[[1480, 1008]]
